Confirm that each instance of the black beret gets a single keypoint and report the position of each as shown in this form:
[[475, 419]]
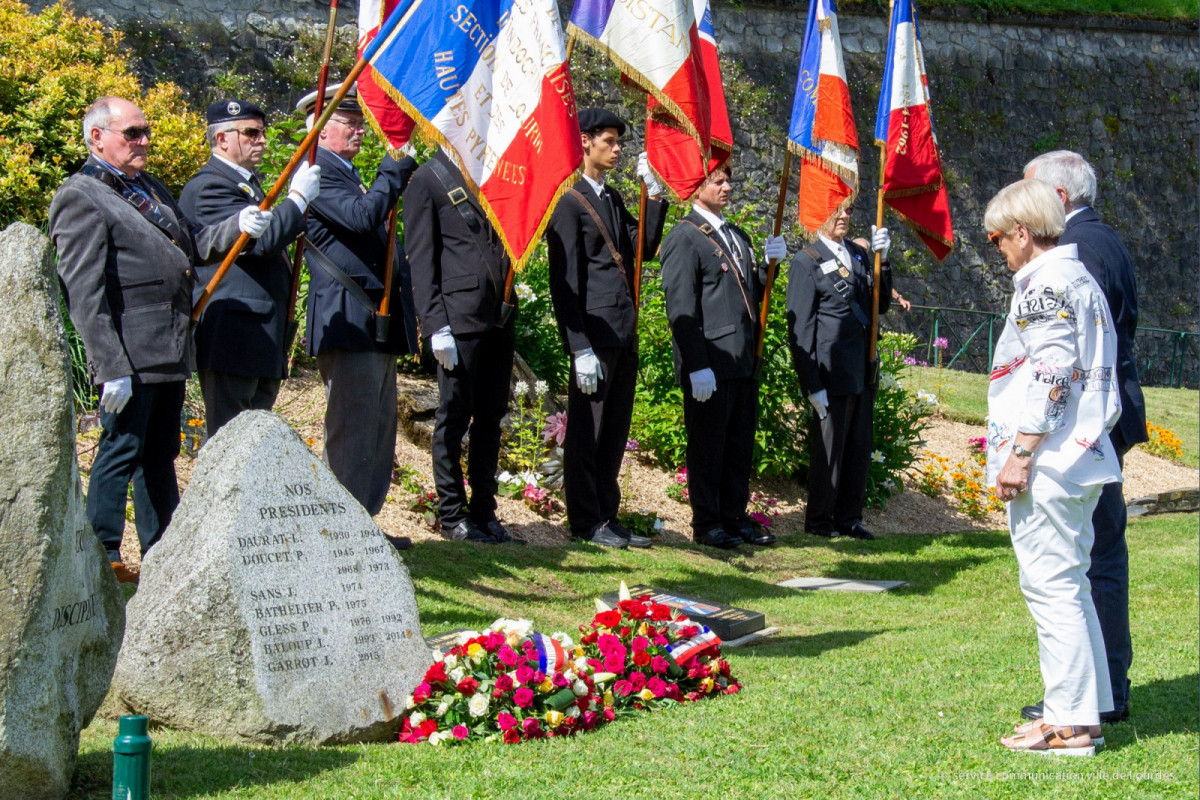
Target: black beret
[[231, 110], [308, 103], [598, 119]]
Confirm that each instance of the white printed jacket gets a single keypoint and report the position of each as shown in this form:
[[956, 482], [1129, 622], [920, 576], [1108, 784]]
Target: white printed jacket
[[1054, 372]]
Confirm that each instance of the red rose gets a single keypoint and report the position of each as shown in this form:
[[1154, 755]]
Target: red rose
[[424, 729], [504, 682], [688, 631], [641, 657], [531, 728], [607, 619], [659, 612], [625, 631], [436, 674], [609, 715], [511, 736], [467, 686], [634, 609], [733, 688], [673, 691]]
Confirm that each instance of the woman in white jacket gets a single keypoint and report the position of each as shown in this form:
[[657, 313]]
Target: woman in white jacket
[[1051, 402]]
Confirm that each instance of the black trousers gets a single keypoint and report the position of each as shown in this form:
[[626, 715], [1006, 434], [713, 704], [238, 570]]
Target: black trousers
[[720, 452], [473, 398], [597, 431], [227, 395], [139, 444], [839, 449], [1109, 576], [360, 422]]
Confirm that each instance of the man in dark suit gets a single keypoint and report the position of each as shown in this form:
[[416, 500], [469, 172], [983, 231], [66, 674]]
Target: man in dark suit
[[348, 269], [713, 287], [125, 255], [459, 270], [240, 343], [591, 240], [1107, 260], [829, 297]]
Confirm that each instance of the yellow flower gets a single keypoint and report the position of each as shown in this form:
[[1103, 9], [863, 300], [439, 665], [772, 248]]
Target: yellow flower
[[474, 650], [646, 694], [706, 685], [554, 718], [608, 699], [546, 685]]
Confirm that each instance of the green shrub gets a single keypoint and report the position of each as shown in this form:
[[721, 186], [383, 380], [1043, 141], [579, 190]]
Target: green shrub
[[56, 64]]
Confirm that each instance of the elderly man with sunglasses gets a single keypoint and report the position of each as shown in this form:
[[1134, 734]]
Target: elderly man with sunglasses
[[126, 256], [241, 337]]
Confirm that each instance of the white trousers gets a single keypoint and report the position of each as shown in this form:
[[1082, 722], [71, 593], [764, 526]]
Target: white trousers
[[1051, 527]]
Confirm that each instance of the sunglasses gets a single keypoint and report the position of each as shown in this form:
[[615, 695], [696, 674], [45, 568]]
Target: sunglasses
[[994, 238], [253, 134], [132, 134]]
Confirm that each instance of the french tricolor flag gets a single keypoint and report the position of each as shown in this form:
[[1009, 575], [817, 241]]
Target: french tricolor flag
[[687, 649], [912, 168], [656, 45], [674, 156], [822, 130], [551, 656], [390, 122], [488, 81]]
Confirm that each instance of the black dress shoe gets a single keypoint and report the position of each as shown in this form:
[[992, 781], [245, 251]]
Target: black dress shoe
[[400, 542], [603, 535], [856, 531], [1038, 711], [717, 537], [750, 533], [499, 533], [466, 532], [827, 534], [631, 538]]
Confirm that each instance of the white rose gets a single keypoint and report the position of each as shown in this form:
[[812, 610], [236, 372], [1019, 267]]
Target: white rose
[[457, 674], [478, 705], [442, 708], [562, 639], [416, 718], [579, 688], [437, 737], [581, 664], [573, 711], [451, 661]]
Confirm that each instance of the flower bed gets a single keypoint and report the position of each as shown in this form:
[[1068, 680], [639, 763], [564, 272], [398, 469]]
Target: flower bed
[[512, 684]]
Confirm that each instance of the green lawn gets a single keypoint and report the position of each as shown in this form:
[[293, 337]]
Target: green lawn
[[963, 398], [899, 695]]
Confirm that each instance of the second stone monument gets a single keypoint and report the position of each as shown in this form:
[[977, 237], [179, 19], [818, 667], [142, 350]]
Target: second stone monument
[[273, 610]]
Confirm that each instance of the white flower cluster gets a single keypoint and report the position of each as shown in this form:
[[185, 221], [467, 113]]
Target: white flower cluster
[[524, 293], [888, 381], [514, 630], [927, 398], [520, 389], [877, 456]]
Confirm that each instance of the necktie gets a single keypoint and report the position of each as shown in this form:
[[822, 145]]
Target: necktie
[[734, 250], [613, 216]]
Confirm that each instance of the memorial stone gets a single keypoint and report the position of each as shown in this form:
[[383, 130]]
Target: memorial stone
[[62, 615], [727, 622], [273, 609]]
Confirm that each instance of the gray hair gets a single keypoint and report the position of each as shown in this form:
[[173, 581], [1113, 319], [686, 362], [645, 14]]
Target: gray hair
[[98, 115], [1066, 170], [210, 135], [1032, 203]]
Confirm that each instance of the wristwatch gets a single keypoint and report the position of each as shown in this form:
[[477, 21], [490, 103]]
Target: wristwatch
[[1021, 452]]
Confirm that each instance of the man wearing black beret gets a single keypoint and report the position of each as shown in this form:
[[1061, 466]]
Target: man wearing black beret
[[240, 339], [591, 240]]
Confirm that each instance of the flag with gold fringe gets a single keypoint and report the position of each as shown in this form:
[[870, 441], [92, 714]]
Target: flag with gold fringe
[[389, 121], [822, 130], [489, 83]]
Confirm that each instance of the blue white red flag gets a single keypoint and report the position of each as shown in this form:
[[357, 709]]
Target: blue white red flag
[[822, 131], [391, 124], [912, 168], [656, 46], [551, 656], [490, 84], [687, 649], [675, 156]]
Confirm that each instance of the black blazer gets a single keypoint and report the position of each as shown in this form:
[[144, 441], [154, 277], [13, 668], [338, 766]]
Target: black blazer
[[828, 343], [712, 309], [592, 296], [1101, 251], [242, 328], [349, 223], [456, 280]]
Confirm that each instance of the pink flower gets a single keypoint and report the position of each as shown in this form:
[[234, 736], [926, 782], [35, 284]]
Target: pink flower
[[560, 680], [555, 429], [760, 518], [657, 686], [531, 728], [614, 663], [523, 697], [524, 674], [659, 664], [590, 719], [941, 343], [609, 715], [639, 643], [459, 731], [508, 657], [539, 676], [506, 721], [660, 640], [608, 643], [422, 692], [493, 640], [504, 682], [622, 688], [637, 681]]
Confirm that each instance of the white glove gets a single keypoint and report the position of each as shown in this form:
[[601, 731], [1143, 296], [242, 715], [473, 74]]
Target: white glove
[[704, 383], [880, 241], [253, 222], [116, 394], [305, 185], [775, 249], [444, 348], [653, 187], [820, 403], [588, 372]]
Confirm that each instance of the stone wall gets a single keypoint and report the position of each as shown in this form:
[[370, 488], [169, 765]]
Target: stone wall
[[1004, 87]]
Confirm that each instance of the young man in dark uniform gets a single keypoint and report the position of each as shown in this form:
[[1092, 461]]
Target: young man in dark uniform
[[347, 261], [591, 240], [713, 287], [829, 315], [240, 343], [459, 268]]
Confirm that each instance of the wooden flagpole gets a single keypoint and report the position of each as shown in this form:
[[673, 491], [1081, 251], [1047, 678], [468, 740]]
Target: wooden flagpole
[[873, 338], [773, 264]]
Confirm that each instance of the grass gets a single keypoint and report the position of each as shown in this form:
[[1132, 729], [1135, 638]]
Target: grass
[[903, 694], [963, 398], [1151, 9]]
